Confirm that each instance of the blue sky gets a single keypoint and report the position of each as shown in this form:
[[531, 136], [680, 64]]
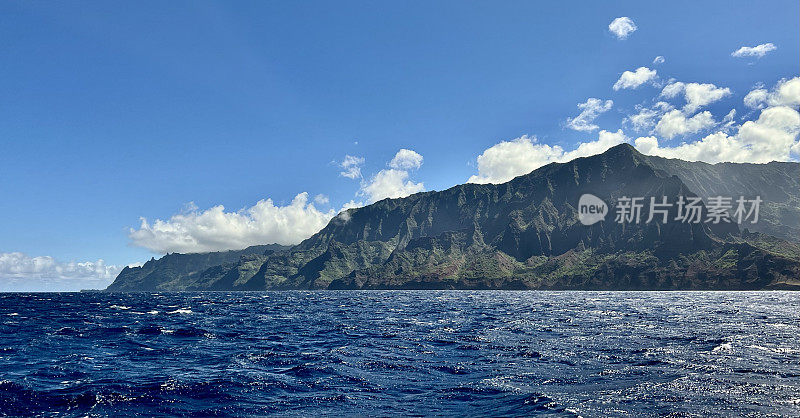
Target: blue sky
[[113, 111]]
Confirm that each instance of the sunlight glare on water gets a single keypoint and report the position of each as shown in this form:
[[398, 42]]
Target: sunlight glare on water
[[400, 353]]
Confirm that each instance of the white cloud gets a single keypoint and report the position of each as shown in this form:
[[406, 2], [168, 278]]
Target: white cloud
[[756, 98], [785, 93], [21, 272], [697, 95], [605, 140], [675, 123], [390, 183], [643, 120], [393, 182], [508, 159], [634, 79], [658, 60], [772, 137], [321, 199], [646, 117], [621, 27], [406, 159], [754, 51], [351, 167], [590, 110], [672, 89], [214, 229], [351, 204], [729, 121]]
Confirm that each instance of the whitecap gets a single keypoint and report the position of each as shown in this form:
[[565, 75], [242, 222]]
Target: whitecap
[[120, 307], [778, 350], [723, 347], [758, 347], [182, 311]]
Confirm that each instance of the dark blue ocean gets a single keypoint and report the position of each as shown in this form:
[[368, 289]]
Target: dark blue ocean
[[390, 353]]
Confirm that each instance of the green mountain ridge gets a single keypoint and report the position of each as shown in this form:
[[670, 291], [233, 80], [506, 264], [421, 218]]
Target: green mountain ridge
[[777, 183], [525, 234], [176, 267]]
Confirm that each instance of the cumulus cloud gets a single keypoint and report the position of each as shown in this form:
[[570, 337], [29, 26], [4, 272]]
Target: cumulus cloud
[[634, 79], [508, 159], [390, 183], [214, 229], [659, 60], [21, 272], [729, 121], [756, 98], [605, 140], [394, 182], [406, 159], [772, 137], [785, 93], [696, 95], [675, 123], [622, 27], [321, 199], [757, 51], [645, 117], [590, 110], [672, 89], [351, 167]]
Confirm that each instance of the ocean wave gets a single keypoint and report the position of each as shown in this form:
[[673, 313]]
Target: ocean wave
[[399, 354], [181, 311]]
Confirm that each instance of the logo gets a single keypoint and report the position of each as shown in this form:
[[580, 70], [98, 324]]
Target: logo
[[591, 209], [685, 209]]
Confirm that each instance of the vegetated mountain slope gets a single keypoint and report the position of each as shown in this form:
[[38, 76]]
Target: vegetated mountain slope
[[777, 183], [157, 274], [520, 234]]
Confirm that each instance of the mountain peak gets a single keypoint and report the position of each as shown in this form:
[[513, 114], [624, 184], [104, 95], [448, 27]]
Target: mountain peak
[[624, 148]]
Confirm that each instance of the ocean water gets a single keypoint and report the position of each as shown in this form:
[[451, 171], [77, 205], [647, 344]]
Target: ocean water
[[388, 353]]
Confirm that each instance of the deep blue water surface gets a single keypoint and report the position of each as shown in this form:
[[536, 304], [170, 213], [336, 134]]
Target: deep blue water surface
[[392, 353]]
